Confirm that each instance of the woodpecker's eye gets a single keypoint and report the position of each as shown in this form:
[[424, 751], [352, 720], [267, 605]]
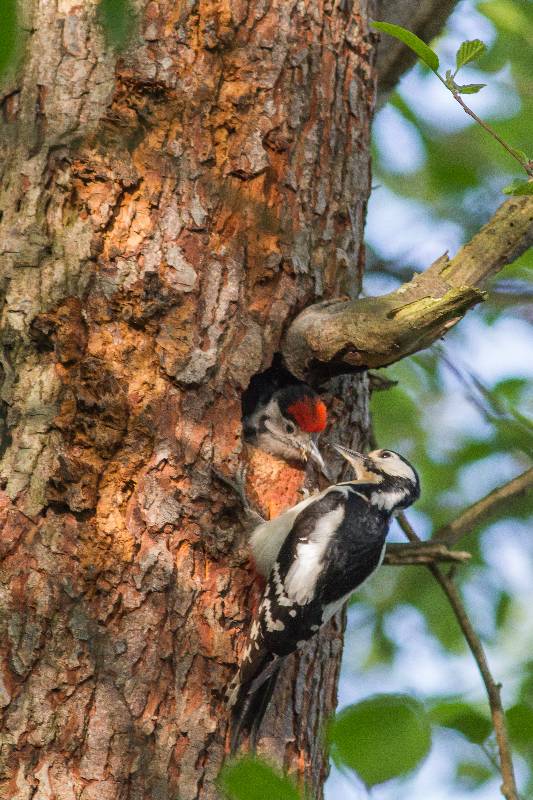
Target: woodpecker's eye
[[290, 427], [386, 454]]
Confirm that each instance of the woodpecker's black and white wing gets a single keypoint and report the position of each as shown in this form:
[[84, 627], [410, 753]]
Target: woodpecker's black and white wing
[[335, 543]]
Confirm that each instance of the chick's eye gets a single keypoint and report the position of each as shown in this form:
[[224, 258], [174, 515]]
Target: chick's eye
[[386, 454], [289, 427]]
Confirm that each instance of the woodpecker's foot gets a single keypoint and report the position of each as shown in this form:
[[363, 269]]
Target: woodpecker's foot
[[238, 486]]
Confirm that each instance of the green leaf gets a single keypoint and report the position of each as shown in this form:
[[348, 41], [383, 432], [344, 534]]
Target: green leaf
[[471, 775], [518, 188], [469, 88], [252, 779], [412, 41], [119, 19], [520, 723], [9, 36], [462, 717], [382, 737], [469, 51], [511, 390]]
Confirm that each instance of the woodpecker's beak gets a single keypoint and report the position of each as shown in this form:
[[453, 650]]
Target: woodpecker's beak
[[315, 455], [357, 460]]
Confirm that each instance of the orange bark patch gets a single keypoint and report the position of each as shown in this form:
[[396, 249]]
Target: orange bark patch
[[272, 484], [13, 525]]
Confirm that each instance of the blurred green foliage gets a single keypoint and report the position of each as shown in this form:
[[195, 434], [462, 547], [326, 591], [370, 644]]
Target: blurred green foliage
[[252, 779], [381, 738], [462, 170], [470, 775], [459, 179], [10, 37], [119, 20], [475, 725], [408, 417]]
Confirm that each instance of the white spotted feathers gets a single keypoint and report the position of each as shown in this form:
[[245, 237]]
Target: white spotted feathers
[[314, 557]]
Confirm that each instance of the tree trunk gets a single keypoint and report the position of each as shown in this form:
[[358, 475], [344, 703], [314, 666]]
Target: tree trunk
[[164, 216]]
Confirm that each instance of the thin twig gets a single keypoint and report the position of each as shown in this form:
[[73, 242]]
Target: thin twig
[[508, 787], [399, 555], [488, 505], [486, 126], [492, 132]]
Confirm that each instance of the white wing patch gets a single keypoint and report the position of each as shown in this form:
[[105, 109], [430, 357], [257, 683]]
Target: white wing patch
[[279, 589], [267, 539], [303, 574]]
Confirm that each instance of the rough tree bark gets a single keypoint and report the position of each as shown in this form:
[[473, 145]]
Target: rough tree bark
[[163, 217]]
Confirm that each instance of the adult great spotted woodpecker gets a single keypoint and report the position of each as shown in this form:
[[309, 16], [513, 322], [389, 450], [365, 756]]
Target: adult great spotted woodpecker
[[315, 555], [282, 415]]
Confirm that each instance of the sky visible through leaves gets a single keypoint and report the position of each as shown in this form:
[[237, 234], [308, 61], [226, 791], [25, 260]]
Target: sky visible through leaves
[[462, 412]]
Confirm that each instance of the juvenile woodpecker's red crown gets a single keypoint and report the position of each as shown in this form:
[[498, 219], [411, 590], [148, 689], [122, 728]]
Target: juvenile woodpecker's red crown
[[310, 413]]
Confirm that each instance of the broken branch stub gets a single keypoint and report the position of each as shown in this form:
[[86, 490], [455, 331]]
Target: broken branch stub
[[374, 331], [334, 337]]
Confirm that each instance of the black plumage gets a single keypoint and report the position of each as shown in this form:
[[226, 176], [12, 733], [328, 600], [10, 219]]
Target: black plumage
[[335, 543]]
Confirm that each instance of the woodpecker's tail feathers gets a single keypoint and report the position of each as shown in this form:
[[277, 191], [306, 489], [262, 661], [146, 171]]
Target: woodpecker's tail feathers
[[249, 697]]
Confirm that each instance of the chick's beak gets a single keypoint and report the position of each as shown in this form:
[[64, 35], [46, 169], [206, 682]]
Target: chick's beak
[[355, 459], [314, 454]]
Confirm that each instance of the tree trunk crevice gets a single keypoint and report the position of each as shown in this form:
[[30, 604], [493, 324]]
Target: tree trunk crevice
[[165, 215]]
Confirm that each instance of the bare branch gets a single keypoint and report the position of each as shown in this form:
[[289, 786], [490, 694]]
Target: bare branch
[[508, 787], [399, 555], [340, 336], [492, 503]]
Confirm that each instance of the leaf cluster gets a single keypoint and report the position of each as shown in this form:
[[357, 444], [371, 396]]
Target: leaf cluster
[[460, 168]]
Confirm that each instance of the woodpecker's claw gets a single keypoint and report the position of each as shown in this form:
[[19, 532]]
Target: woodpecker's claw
[[238, 486]]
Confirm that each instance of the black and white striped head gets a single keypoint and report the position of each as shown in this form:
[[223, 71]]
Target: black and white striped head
[[393, 480]]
